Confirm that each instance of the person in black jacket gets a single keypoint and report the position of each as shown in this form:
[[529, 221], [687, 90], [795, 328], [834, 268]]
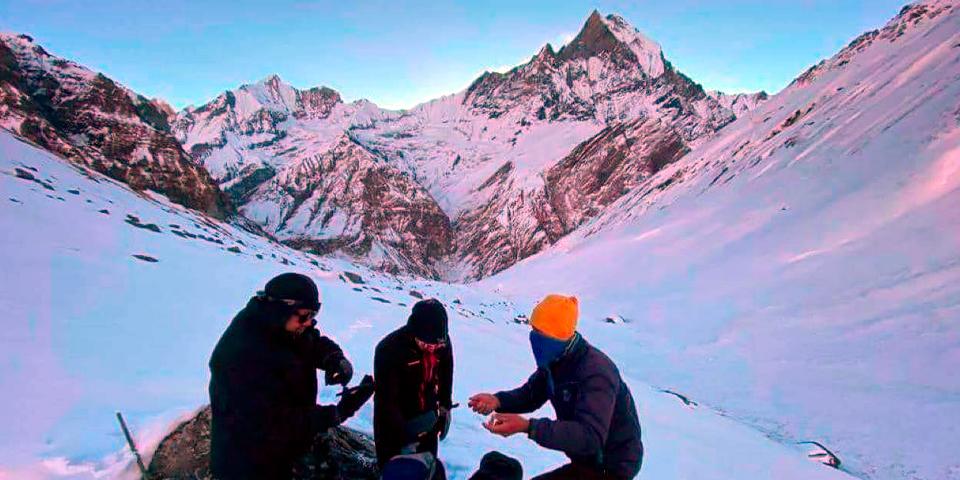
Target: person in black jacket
[[414, 371], [263, 385], [597, 425]]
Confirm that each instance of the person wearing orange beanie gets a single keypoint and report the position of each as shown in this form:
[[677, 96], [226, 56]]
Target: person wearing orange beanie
[[597, 425]]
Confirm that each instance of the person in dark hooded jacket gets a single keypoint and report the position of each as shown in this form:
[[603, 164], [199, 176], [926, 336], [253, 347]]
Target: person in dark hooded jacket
[[414, 371], [597, 425], [263, 385]]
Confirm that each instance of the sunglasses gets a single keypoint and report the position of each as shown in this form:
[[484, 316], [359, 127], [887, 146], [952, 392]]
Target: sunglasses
[[306, 317]]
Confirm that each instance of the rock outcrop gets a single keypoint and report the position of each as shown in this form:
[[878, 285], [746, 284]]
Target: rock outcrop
[[341, 454]]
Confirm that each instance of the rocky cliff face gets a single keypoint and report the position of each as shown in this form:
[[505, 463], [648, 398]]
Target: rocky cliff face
[[90, 119], [350, 199], [607, 166]]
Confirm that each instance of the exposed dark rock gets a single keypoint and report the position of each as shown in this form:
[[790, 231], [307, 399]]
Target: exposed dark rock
[[21, 173], [145, 258], [135, 221], [822, 454], [353, 277], [340, 454], [683, 398], [25, 175], [615, 320]]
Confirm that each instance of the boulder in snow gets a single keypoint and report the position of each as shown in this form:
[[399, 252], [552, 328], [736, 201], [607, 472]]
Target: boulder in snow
[[342, 453], [615, 319]]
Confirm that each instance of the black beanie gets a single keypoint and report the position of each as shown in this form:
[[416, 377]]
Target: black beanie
[[428, 321], [296, 287]]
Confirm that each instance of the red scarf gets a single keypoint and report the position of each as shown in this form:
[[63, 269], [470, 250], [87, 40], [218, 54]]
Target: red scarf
[[429, 361]]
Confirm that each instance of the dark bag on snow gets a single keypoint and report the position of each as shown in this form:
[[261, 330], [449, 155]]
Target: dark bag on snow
[[415, 466], [497, 466]]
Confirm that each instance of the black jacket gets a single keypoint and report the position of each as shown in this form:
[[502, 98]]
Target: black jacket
[[263, 394], [399, 372], [597, 424]]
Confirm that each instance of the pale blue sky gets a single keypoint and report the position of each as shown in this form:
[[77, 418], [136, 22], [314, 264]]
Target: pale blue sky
[[398, 53]]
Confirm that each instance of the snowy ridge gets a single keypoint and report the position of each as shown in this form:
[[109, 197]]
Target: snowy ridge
[[92, 120], [800, 269], [740, 103], [647, 52], [240, 129]]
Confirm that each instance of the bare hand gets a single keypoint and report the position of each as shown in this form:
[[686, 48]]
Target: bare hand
[[484, 403], [506, 424]]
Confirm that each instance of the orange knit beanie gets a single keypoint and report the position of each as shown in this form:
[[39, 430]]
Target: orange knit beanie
[[556, 316]]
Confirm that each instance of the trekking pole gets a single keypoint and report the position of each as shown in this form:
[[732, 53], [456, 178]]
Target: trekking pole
[[133, 447]]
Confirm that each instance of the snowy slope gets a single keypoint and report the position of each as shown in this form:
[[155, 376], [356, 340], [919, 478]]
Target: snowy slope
[[801, 271], [89, 329]]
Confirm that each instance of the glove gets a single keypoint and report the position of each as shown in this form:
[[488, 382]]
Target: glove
[[354, 398], [444, 417], [340, 373]]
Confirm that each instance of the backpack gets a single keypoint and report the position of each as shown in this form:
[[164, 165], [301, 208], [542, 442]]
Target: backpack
[[414, 466]]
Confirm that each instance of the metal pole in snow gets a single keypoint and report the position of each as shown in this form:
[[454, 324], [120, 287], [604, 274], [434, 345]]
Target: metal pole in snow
[[133, 447]]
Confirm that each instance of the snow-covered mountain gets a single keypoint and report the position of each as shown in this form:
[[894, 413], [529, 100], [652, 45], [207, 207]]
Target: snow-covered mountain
[[739, 103], [800, 269], [483, 155], [92, 120]]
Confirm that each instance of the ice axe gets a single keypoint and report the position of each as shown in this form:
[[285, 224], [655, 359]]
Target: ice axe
[[133, 447]]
